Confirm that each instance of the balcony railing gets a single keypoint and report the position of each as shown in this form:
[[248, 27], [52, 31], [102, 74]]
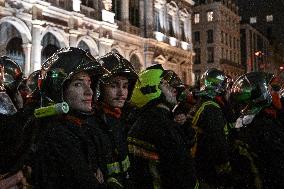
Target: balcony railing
[[89, 12], [128, 28]]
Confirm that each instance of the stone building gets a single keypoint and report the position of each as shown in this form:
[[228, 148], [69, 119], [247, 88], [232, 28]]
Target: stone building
[[255, 50], [216, 37], [145, 32], [267, 17]]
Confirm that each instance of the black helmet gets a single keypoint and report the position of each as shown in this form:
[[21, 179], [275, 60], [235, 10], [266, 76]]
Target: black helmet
[[250, 91], [61, 66], [213, 82], [116, 65], [11, 74]]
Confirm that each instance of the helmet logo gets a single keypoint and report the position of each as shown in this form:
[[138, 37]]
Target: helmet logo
[[148, 89]]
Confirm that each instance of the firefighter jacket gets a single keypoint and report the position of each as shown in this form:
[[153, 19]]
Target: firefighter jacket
[[66, 156], [158, 154], [263, 141], [211, 149], [108, 127]]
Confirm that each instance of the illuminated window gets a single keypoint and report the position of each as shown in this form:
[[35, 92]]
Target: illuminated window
[[210, 16], [196, 18], [269, 18], [252, 20]]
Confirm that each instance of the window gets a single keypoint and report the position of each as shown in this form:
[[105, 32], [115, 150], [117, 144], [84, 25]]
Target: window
[[134, 12], [222, 52], [157, 21], [222, 37], [269, 18], [196, 18], [183, 38], [210, 16], [252, 20], [116, 8], [170, 24], [209, 36], [197, 59], [226, 38], [197, 36], [210, 54], [87, 3]]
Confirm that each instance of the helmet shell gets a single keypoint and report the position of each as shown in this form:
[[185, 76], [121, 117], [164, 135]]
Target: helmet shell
[[213, 80], [12, 73], [251, 90], [147, 87], [117, 65], [61, 66]]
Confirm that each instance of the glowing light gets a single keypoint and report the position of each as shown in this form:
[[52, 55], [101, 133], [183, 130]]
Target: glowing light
[[173, 41], [107, 16], [159, 36], [184, 45], [76, 5]]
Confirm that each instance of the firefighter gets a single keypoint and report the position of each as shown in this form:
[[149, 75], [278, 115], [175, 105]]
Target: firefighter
[[66, 156], [211, 149], [114, 89], [158, 151], [258, 135], [12, 174]]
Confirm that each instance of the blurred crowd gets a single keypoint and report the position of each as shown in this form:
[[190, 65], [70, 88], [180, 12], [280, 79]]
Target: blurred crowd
[[85, 122]]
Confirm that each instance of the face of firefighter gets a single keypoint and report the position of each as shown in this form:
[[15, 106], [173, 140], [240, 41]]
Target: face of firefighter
[[116, 91], [169, 92], [79, 94]]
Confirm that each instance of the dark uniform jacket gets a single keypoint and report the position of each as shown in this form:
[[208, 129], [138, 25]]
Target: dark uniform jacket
[[66, 156], [159, 155], [109, 129], [264, 143], [211, 150]]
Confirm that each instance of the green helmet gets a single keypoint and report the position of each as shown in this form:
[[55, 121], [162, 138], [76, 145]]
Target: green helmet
[[213, 81], [250, 92], [147, 86]]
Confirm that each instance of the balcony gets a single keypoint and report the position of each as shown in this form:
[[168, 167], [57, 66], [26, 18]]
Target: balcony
[[128, 28], [89, 12]]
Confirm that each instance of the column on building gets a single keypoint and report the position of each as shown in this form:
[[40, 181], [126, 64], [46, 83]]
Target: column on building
[[104, 46], [27, 52], [188, 26], [36, 47], [125, 11], [73, 39], [149, 16]]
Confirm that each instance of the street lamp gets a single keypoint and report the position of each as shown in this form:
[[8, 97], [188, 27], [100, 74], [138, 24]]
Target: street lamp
[[259, 62]]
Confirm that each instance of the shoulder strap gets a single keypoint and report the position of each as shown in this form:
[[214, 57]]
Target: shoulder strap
[[200, 110]]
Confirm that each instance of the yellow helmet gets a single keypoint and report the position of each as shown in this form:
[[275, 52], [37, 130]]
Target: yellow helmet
[[147, 86]]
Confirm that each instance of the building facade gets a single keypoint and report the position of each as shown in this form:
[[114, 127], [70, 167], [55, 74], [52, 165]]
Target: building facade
[[145, 32], [216, 37], [255, 50], [267, 17]]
